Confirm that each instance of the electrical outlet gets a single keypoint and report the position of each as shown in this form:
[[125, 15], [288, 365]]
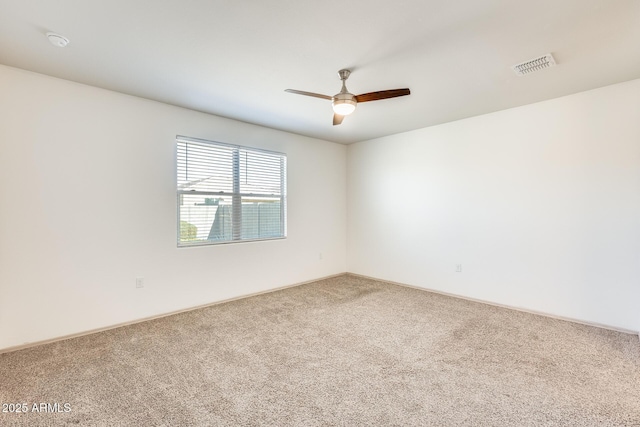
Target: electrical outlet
[[458, 268], [139, 282]]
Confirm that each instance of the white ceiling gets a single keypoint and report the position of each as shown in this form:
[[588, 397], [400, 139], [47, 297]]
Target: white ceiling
[[234, 58]]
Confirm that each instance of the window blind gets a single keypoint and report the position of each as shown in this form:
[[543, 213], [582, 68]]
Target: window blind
[[229, 193]]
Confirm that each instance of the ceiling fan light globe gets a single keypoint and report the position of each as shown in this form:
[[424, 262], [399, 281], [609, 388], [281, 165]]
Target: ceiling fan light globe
[[344, 107]]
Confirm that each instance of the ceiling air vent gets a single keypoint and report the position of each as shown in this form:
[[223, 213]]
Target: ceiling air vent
[[533, 65]]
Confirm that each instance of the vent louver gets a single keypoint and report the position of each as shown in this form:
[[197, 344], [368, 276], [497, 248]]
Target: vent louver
[[533, 65]]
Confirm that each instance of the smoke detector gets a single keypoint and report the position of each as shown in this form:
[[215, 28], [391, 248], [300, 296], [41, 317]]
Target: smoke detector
[[533, 65], [57, 40]]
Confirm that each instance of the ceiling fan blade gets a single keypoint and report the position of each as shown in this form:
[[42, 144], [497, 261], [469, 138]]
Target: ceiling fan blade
[[383, 94], [337, 119], [316, 95]]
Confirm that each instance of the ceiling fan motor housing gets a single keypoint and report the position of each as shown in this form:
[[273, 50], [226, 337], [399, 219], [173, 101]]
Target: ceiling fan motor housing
[[344, 103]]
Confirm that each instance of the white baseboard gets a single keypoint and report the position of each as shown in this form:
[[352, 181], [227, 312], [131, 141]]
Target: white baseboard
[[159, 316], [525, 310]]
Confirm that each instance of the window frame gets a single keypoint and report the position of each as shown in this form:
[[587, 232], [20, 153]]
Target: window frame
[[235, 195]]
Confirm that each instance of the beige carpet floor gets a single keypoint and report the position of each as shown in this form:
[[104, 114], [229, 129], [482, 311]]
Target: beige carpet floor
[[345, 351]]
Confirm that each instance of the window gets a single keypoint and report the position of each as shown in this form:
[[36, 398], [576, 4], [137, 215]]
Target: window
[[228, 193]]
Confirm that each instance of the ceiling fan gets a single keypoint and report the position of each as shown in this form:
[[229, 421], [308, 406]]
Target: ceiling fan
[[344, 102]]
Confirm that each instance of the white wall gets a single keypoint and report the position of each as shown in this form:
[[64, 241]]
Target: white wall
[[87, 190], [540, 204]]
